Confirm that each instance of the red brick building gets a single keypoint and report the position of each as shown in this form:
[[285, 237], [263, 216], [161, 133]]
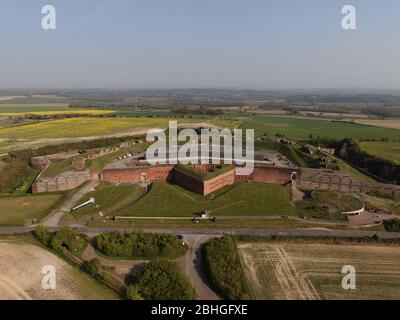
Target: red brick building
[[147, 174]]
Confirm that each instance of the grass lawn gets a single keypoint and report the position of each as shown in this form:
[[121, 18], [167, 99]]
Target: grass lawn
[[329, 205], [108, 197], [385, 150], [254, 199], [17, 210], [353, 172], [388, 205], [292, 153], [58, 167], [302, 128]]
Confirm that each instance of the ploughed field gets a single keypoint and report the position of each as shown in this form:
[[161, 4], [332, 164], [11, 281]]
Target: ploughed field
[[21, 278], [279, 270]]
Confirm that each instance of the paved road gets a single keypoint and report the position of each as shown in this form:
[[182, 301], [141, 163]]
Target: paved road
[[53, 220], [309, 232], [194, 266]]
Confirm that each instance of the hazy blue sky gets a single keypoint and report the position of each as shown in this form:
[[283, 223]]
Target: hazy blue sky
[[200, 43]]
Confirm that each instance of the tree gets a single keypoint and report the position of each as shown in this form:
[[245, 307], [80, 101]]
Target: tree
[[162, 280], [132, 293]]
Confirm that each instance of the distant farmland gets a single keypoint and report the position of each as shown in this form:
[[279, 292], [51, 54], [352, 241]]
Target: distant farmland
[[297, 128], [79, 127], [303, 271], [32, 107], [385, 150], [95, 126]]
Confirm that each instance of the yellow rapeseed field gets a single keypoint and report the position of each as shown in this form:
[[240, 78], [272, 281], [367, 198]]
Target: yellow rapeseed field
[[79, 127]]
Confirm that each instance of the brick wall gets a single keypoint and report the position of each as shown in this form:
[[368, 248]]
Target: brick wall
[[225, 179], [188, 182], [272, 175], [138, 174]]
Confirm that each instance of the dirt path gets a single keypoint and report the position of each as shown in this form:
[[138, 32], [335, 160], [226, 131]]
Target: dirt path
[[122, 268]]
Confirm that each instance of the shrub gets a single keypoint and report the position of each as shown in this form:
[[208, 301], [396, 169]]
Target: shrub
[[42, 234], [96, 270], [139, 245], [162, 280], [224, 268], [392, 225], [132, 293], [66, 239]]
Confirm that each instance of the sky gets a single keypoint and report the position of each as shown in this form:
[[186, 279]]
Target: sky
[[257, 44]]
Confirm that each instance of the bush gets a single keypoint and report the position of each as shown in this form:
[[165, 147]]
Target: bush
[[96, 270], [42, 234], [392, 225], [65, 239], [224, 268], [139, 245], [162, 280], [132, 293]]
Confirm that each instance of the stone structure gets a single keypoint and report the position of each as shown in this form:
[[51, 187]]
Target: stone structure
[[39, 162], [340, 181], [65, 181]]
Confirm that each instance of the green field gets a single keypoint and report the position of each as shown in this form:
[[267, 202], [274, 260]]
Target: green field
[[313, 271], [108, 197], [297, 128], [237, 200], [32, 107], [385, 150], [15, 211]]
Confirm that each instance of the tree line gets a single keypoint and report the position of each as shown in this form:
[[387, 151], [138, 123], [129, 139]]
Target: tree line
[[224, 268], [139, 245]]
